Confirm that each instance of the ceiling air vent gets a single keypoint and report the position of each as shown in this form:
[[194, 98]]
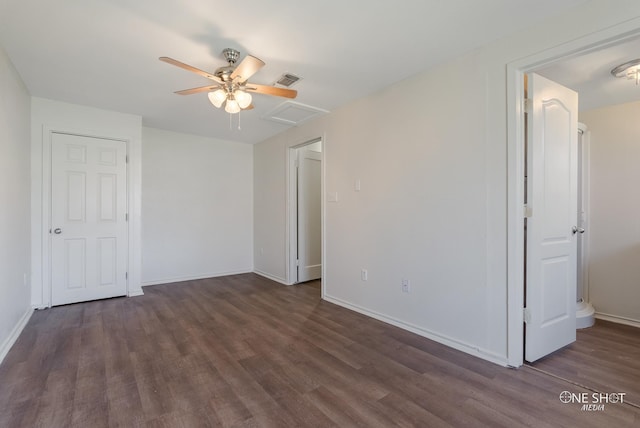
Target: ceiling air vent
[[287, 79]]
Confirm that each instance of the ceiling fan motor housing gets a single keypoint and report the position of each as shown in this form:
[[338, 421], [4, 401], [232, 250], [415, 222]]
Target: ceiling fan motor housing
[[224, 73]]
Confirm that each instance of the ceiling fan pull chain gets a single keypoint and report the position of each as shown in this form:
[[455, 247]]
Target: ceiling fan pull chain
[[239, 114], [230, 119]]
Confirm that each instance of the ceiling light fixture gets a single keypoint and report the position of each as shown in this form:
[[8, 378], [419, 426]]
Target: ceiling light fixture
[[231, 86], [233, 98], [630, 70]]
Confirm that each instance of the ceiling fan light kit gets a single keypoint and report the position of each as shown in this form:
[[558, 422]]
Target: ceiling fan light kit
[[232, 87], [243, 98], [217, 97], [630, 70], [231, 106]]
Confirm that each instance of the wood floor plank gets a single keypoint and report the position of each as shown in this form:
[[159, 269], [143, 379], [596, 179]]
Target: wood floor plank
[[605, 357], [243, 351], [329, 404]]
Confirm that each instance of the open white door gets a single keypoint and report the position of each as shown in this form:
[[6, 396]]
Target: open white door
[[309, 215], [88, 218], [552, 205]]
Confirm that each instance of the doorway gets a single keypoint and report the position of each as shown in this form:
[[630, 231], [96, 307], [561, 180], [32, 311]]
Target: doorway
[[305, 212], [516, 186]]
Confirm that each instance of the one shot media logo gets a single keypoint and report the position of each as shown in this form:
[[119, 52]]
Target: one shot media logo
[[592, 401]]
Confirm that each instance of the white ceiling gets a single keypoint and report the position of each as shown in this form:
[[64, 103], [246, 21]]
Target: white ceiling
[[104, 53], [590, 75]]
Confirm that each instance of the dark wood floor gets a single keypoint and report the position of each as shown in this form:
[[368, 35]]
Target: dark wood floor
[[244, 351], [605, 358]]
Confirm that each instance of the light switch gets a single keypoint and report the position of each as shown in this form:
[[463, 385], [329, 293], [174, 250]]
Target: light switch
[[332, 196]]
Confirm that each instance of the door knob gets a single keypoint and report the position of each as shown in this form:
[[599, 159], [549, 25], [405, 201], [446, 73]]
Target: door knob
[[58, 231], [576, 229]]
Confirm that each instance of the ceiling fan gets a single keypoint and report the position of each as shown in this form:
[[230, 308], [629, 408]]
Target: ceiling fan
[[231, 82]]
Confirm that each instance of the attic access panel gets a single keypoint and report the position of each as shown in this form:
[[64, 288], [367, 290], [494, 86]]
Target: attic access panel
[[293, 113]]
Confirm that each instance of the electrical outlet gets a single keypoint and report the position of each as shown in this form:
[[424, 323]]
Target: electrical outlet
[[406, 285], [364, 275]]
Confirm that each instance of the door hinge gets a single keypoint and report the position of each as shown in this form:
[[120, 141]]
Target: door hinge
[[527, 315], [528, 105], [126, 159], [126, 275], [528, 211], [297, 262], [126, 216]]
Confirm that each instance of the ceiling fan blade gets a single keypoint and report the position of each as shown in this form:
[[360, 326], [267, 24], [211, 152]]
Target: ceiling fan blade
[[198, 90], [247, 68], [189, 68], [271, 90]]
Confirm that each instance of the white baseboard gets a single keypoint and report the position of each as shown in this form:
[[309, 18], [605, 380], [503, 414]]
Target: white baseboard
[[135, 293], [15, 333], [452, 343], [272, 277], [617, 319], [192, 277]]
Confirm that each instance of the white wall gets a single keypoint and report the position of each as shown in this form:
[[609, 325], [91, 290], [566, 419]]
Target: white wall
[[197, 207], [48, 115], [14, 204], [270, 204], [433, 204], [614, 223]]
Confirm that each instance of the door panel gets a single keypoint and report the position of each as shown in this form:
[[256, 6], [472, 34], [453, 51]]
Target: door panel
[[107, 261], [309, 215], [551, 242], [76, 196], [74, 263], [107, 195], [88, 218]]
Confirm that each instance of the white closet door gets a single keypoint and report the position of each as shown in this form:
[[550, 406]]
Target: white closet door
[[88, 218]]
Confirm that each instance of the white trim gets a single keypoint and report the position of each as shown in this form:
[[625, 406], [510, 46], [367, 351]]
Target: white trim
[[170, 280], [585, 161], [617, 319], [515, 155], [291, 218], [515, 216], [323, 220], [436, 337], [15, 333], [272, 277]]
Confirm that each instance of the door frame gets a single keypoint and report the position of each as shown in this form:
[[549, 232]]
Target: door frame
[[584, 180], [133, 196], [515, 72], [292, 202]]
